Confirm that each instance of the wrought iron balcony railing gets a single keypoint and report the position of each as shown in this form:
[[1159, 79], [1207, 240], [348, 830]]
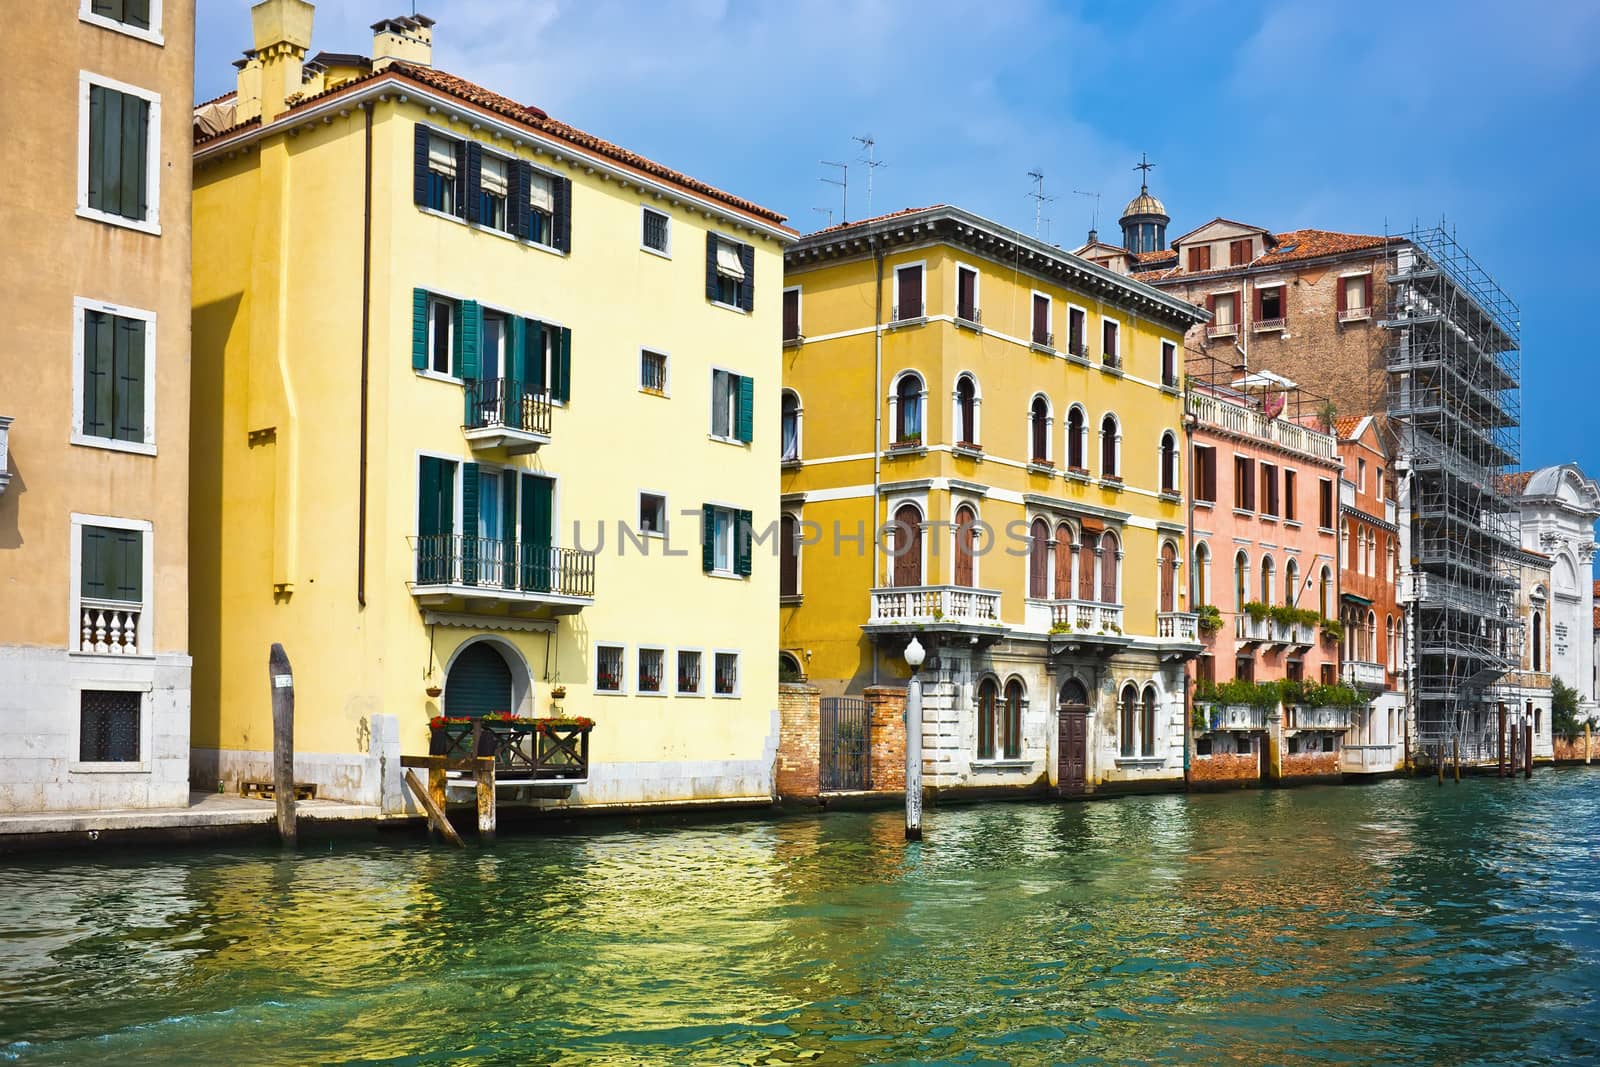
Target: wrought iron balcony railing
[[497, 567], [506, 413]]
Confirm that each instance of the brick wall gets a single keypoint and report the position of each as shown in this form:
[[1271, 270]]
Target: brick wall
[[1310, 765], [887, 707], [1575, 749], [1229, 767], [798, 732]]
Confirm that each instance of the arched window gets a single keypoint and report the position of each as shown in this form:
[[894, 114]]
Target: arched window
[[1538, 641], [1039, 559], [1368, 637], [1077, 439], [789, 669], [1202, 574], [789, 555], [1372, 554], [966, 545], [1110, 448], [1073, 694], [1241, 580], [966, 410], [1388, 642], [1269, 575], [1088, 559], [1039, 430], [1344, 543], [908, 416], [1291, 581], [1110, 568], [1064, 540], [1011, 727], [1147, 722], [791, 425], [907, 545], [1128, 719], [1169, 463], [988, 713], [1169, 577], [1325, 594]]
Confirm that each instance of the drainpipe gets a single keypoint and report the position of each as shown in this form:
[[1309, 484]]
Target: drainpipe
[[1188, 690], [366, 345], [877, 416]]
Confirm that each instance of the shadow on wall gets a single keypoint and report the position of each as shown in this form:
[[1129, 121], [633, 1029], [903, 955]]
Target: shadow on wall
[[11, 505]]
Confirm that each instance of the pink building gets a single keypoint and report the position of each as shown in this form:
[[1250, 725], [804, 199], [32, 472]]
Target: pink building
[[1265, 517]]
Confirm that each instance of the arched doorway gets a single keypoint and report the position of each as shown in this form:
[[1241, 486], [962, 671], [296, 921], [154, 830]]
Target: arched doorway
[[1072, 737], [966, 545], [1169, 577], [907, 546], [477, 682]]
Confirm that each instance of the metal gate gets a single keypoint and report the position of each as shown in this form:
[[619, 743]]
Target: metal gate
[[844, 755]]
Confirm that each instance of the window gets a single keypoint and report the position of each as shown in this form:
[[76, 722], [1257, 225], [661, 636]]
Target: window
[[1205, 474], [1202, 573], [1039, 560], [1205, 667], [111, 613], [652, 670], [1269, 489], [114, 384], [788, 556], [444, 169], [1239, 252], [1011, 725], [1269, 577], [1039, 430], [966, 548], [908, 413], [1110, 337], [1200, 258], [541, 208], [609, 666], [730, 266], [1224, 312], [1244, 483], [727, 678], [1169, 363], [1325, 594], [657, 234], [790, 426], [652, 513], [1147, 722], [494, 338], [967, 294], [905, 546], [732, 406], [988, 707], [1269, 306], [966, 411], [1077, 342], [908, 302], [1241, 581], [443, 317], [653, 372], [725, 541], [1291, 582], [1355, 296], [1041, 321], [1169, 463], [119, 156], [1077, 439], [1538, 641], [1127, 726], [1291, 510], [1110, 568], [493, 187], [1361, 475], [1344, 544], [137, 18], [1244, 668], [689, 672], [1325, 503], [1110, 448], [791, 314], [108, 726], [1295, 669]]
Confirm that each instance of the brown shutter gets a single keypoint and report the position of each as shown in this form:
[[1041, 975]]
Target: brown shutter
[[1211, 475], [1366, 291], [1041, 319], [791, 314], [910, 295], [1339, 283], [1256, 312]]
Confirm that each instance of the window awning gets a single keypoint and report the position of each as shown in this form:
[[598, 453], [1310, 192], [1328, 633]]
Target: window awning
[[729, 261], [442, 156], [541, 196], [1355, 599], [492, 178]]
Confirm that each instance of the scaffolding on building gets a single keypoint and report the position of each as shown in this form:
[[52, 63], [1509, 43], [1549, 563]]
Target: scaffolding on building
[[1454, 371]]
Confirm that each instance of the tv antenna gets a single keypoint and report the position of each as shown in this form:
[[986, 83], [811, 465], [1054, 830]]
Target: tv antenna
[[867, 144], [1094, 220], [1038, 198], [843, 182], [828, 211]]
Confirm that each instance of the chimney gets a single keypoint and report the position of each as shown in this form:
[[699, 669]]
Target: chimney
[[407, 39], [1094, 236], [282, 35]]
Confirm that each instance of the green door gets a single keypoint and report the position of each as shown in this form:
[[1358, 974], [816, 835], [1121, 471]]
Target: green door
[[478, 682], [538, 502], [436, 494]]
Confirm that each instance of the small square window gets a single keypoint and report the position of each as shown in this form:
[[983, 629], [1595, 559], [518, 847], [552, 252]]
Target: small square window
[[119, 169], [652, 513], [688, 672], [727, 680], [108, 726], [653, 372], [657, 231], [652, 670], [609, 666]]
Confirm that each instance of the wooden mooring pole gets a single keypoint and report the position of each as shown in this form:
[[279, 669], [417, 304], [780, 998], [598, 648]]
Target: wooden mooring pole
[[1457, 745], [1527, 754], [282, 680], [1502, 744], [433, 807], [1438, 760]]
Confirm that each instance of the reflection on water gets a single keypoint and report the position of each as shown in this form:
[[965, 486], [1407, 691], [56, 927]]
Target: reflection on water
[[1395, 923]]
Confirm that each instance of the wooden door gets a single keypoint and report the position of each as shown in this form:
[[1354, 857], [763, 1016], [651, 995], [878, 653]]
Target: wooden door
[[1072, 758], [1169, 572], [966, 544], [908, 546]]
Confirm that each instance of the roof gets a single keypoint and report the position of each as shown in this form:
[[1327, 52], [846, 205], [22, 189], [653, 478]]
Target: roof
[[526, 115], [1348, 426], [1292, 246], [877, 218], [1514, 483], [1144, 204]]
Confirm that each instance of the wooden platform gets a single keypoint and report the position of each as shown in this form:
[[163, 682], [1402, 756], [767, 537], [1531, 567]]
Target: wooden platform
[[268, 791]]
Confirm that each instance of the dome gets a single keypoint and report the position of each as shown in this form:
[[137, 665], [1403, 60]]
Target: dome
[[1144, 204]]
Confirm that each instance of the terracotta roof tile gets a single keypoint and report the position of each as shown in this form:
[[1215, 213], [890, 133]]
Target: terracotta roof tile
[[880, 218], [1156, 256], [1345, 425], [1513, 483], [1292, 246]]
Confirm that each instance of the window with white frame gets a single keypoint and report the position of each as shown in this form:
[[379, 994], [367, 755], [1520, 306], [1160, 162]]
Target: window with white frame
[[137, 18], [442, 315], [790, 426], [652, 671], [119, 153], [442, 191], [541, 208], [726, 682], [732, 402], [653, 372], [908, 292], [114, 376], [493, 190], [731, 277], [1111, 337], [689, 678], [657, 231], [610, 663], [110, 595], [108, 725], [652, 513]]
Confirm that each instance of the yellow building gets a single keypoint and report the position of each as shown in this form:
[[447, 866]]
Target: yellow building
[[468, 384], [94, 405], [1009, 417]]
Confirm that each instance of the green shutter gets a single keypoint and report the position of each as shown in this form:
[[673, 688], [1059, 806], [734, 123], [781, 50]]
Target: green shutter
[[99, 341], [436, 490], [741, 543], [129, 380], [128, 552], [516, 369], [419, 329], [95, 563], [533, 372], [508, 526], [135, 120], [97, 148], [708, 538], [537, 519], [471, 330], [747, 407], [563, 360], [469, 523]]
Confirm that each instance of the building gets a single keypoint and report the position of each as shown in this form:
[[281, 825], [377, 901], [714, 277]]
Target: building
[[94, 406], [1263, 477], [1523, 694], [1372, 650], [480, 431], [1009, 417], [1559, 506]]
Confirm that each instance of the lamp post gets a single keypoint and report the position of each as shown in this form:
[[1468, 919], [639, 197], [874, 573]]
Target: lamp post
[[915, 654]]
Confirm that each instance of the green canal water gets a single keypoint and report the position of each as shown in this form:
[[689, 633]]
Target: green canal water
[[1400, 922]]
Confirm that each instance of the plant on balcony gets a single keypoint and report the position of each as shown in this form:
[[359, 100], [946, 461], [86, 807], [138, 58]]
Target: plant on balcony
[[1332, 630], [1257, 611], [1209, 618], [1316, 695], [1239, 692], [1326, 413], [1062, 627], [908, 440], [1284, 615]]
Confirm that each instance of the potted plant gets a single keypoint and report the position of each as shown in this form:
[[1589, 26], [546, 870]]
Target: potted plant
[[433, 691], [1209, 618]]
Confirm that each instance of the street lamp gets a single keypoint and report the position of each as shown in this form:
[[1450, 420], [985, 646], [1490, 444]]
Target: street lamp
[[915, 654]]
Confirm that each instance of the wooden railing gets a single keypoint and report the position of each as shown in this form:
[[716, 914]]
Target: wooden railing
[[109, 627], [494, 563], [535, 750], [936, 603], [506, 403], [1247, 422]]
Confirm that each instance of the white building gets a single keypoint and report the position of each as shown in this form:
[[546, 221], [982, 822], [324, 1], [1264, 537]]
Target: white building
[[1560, 506]]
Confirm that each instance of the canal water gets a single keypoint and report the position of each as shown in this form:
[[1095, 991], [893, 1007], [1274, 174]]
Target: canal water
[[1398, 922]]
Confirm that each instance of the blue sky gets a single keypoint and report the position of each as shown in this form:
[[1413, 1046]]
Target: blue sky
[[1349, 116]]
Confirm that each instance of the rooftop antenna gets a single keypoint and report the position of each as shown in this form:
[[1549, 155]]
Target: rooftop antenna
[[828, 211], [867, 144], [1038, 198], [843, 182], [1094, 220]]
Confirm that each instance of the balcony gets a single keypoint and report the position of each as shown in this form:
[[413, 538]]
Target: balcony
[[1251, 632], [1045, 341], [490, 572], [1355, 314], [1178, 626], [503, 414], [1078, 349], [1080, 617], [1269, 325], [1220, 717], [969, 317], [1369, 759], [109, 627], [1246, 422], [1363, 675], [951, 606], [1222, 329], [1304, 717], [5, 454]]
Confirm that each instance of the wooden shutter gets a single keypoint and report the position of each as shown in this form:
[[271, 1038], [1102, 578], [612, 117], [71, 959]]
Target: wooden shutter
[[470, 333], [99, 341], [1366, 291], [474, 176], [128, 415], [1063, 583], [533, 349], [1108, 568], [94, 563], [789, 557], [711, 266], [419, 327], [561, 388], [791, 314], [508, 529], [742, 533], [1256, 310], [97, 146], [517, 208], [537, 519], [747, 259], [562, 189], [908, 554], [128, 553], [909, 297], [747, 407], [1041, 319], [708, 534], [515, 369], [967, 293], [1339, 283], [1211, 474], [469, 523], [1088, 537], [419, 176]]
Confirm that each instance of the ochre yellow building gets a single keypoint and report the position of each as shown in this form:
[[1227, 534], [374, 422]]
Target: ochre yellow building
[[1009, 416], [469, 383]]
